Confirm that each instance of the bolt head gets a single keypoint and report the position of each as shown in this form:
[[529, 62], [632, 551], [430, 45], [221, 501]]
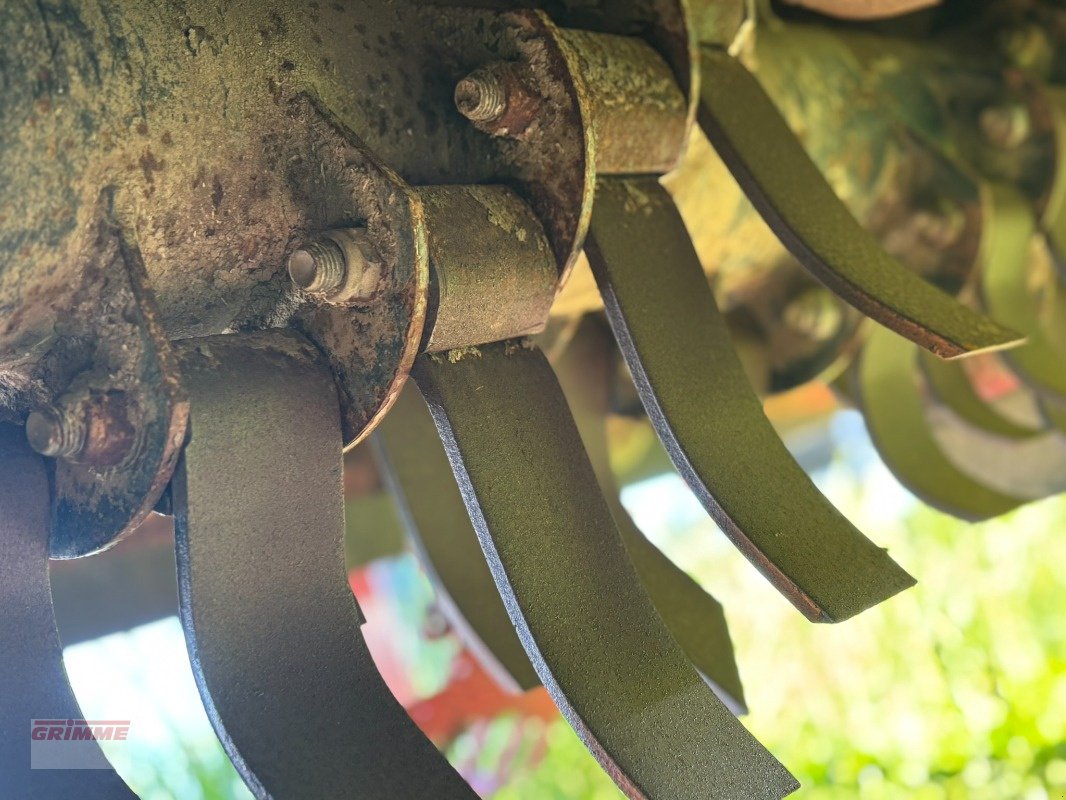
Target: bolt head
[[1005, 126], [815, 313]]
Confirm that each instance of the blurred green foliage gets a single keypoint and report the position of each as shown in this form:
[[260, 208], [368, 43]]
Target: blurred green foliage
[[954, 690]]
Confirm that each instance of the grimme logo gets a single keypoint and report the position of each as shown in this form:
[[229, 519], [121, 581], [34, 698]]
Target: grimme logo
[[77, 729], [73, 743]]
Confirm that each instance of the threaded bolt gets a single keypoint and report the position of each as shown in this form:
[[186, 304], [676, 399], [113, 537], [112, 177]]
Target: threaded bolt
[[318, 267], [95, 429], [940, 229], [497, 100], [337, 266], [56, 433], [814, 313], [1005, 126], [481, 96]]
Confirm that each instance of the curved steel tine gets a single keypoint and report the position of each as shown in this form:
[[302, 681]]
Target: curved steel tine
[[1055, 414], [949, 382], [1053, 220], [1009, 230], [33, 682], [593, 635], [1027, 468], [694, 618], [790, 193], [416, 469], [678, 349], [418, 472], [271, 624], [887, 392]]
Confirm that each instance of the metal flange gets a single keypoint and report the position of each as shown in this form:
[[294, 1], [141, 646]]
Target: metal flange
[[119, 420], [371, 332]]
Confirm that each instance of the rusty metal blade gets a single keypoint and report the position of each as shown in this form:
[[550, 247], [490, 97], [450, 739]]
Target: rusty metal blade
[[792, 195], [678, 349], [695, 619], [886, 389], [272, 627], [590, 630], [33, 683]]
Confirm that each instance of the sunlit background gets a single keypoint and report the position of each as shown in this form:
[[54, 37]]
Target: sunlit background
[[954, 689]]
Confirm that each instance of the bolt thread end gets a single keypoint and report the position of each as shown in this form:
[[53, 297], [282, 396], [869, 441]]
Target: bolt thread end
[[54, 433], [318, 266], [480, 96]]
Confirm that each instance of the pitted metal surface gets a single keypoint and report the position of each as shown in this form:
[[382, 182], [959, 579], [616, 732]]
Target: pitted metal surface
[[635, 107], [126, 95], [494, 275], [126, 358]]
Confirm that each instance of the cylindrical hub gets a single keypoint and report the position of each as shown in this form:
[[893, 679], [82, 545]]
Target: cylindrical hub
[[638, 111], [493, 274]]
